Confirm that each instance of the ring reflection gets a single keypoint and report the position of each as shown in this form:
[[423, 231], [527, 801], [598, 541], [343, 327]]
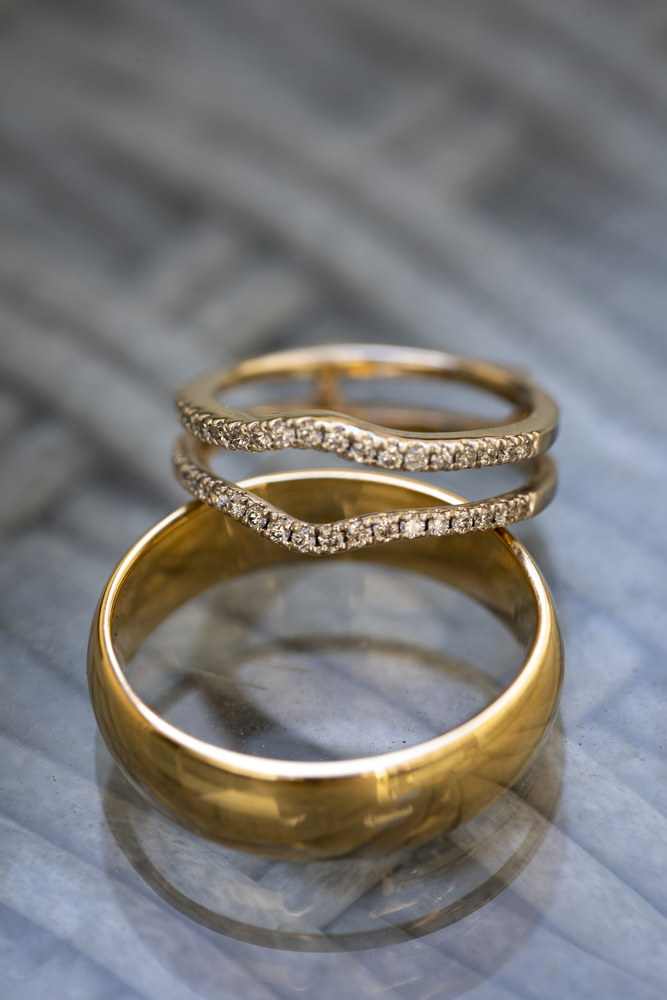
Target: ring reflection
[[265, 666]]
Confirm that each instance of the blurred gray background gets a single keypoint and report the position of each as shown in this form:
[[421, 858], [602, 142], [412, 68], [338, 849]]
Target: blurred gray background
[[182, 185]]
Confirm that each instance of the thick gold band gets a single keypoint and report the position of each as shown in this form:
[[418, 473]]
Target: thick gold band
[[325, 427], [361, 528], [308, 809]]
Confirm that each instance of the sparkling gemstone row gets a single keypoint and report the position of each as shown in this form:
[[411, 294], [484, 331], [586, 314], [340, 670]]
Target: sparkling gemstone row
[[351, 533], [355, 444]]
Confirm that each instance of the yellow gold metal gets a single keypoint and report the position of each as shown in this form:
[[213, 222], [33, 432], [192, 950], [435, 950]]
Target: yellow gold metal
[[306, 810], [333, 426]]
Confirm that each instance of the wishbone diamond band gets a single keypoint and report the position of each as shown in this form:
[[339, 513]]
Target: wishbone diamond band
[[523, 439], [191, 465], [357, 445], [324, 428]]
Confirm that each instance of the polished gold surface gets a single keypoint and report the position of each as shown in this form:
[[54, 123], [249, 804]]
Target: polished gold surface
[[326, 809], [330, 424], [414, 891]]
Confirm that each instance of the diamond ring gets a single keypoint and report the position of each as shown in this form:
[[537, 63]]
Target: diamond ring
[[191, 463], [330, 424]]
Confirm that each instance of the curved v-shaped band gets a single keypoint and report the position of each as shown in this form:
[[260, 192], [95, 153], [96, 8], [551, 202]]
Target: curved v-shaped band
[[325, 427], [191, 460]]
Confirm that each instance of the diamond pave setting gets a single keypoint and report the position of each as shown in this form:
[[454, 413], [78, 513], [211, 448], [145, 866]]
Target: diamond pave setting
[[355, 444], [351, 533]]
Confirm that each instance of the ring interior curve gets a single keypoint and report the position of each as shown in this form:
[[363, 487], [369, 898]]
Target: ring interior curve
[[307, 810]]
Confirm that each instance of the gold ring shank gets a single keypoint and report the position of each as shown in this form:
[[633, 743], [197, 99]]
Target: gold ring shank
[[328, 427], [306, 810], [361, 527]]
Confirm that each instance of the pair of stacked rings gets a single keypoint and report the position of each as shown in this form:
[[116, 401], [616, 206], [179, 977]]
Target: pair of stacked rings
[[306, 810], [212, 426]]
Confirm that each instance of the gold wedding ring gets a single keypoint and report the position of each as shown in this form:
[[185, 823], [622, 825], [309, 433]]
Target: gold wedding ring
[[306, 810]]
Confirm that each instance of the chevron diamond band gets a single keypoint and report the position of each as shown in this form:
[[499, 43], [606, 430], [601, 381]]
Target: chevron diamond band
[[191, 460]]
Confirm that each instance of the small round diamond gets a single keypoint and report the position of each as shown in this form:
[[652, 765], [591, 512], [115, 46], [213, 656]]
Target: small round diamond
[[364, 447], [522, 507], [256, 515], [279, 528], [251, 437], [359, 533], [466, 455], [242, 440], [308, 435], [389, 455], [260, 438], [330, 538], [483, 519], [486, 452], [385, 529], [303, 537], [523, 448], [513, 509], [217, 432], [500, 514], [235, 436], [337, 438], [507, 449], [199, 488], [208, 430], [442, 456], [415, 457], [189, 481], [237, 506], [461, 522], [282, 435], [412, 526], [218, 496], [439, 523]]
